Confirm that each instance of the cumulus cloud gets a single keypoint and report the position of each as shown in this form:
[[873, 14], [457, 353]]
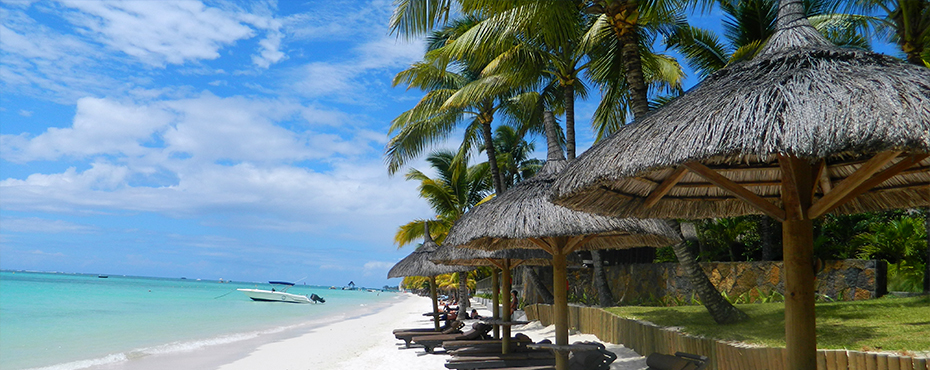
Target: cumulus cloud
[[100, 127], [212, 155], [160, 32]]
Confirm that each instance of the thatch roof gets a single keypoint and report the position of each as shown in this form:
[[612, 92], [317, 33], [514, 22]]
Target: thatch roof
[[418, 263], [448, 255], [524, 212], [800, 97]]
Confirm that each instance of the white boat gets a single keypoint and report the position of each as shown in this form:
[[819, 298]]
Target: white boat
[[278, 293]]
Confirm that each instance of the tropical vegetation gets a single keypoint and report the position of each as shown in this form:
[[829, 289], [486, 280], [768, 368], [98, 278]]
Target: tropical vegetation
[[493, 69]]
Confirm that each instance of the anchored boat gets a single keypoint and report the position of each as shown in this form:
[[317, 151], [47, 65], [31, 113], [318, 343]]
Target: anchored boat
[[278, 293]]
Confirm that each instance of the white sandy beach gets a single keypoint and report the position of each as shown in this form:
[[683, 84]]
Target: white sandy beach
[[367, 343], [363, 342]]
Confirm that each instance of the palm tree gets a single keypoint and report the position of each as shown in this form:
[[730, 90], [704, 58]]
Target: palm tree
[[634, 23], [904, 22], [748, 24], [450, 85], [513, 153], [454, 190]]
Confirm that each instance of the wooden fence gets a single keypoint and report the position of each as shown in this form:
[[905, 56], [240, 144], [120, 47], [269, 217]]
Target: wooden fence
[[646, 338]]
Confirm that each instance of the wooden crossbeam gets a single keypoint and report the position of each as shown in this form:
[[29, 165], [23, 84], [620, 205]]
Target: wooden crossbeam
[[665, 187], [738, 191], [863, 185], [495, 262], [833, 198], [542, 245], [577, 242], [821, 178]]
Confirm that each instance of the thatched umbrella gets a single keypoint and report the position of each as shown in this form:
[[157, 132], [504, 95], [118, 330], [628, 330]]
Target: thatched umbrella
[[524, 218], [803, 129], [418, 264], [506, 260]]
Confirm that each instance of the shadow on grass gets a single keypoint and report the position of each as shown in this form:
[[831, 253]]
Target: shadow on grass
[[885, 322]]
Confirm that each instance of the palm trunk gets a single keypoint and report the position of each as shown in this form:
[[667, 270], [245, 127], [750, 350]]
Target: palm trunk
[[541, 289], [720, 310], [633, 69], [569, 92], [464, 304], [499, 187], [927, 266], [604, 297]]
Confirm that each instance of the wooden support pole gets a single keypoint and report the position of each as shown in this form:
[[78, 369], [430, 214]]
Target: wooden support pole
[[505, 335], [560, 306], [496, 300], [432, 295], [798, 236]]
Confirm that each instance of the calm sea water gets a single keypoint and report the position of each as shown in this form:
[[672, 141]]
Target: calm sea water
[[73, 321]]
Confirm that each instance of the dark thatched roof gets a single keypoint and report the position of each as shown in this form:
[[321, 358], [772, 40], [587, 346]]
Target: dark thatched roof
[[418, 263], [448, 255], [800, 97], [524, 212]]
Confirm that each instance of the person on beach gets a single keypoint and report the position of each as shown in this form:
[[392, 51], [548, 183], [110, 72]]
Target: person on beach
[[513, 301]]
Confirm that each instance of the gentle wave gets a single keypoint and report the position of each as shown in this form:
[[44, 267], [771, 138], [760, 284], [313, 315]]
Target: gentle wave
[[165, 349]]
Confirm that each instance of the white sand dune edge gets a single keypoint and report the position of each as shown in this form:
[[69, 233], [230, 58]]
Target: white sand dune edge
[[367, 343]]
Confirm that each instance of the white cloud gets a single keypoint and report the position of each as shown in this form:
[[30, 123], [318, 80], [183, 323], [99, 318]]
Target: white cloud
[[160, 32], [100, 127], [40, 225]]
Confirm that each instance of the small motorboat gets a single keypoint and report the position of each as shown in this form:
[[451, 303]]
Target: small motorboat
[[278, 293]]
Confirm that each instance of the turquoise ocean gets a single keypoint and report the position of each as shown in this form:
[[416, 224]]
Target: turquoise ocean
[[57, 321]]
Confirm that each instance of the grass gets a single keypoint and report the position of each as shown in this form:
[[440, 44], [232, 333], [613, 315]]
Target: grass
[[884, 324]]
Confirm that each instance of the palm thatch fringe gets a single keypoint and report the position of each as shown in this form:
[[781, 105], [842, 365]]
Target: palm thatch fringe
[[418, 262]]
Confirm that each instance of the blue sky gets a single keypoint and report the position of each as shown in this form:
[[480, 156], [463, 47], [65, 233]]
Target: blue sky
[[206, 139], [210, 140]]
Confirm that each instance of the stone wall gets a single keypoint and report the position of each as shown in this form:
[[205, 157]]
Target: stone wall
[[666, 283]]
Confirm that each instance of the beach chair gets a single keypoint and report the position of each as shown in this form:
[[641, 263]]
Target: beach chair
[[446, 325], [599, 359], [430, 342], [680, 361], [510, 360], [486, 346], [407, 337]]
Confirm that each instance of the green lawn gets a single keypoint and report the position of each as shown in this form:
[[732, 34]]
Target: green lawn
[[888, 323]]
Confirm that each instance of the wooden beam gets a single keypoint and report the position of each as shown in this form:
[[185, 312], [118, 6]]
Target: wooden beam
[[741, 183], [665, 187], [542, 245], [823, 177], [863, 185], [790, 191], [833, 198], [577, 242], [495, 262], [738, 191]]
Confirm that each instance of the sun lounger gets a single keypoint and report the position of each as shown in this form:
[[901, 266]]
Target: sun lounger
[[478, 331], [486, 346], [407, 337], [521, 360], [597, 359], [680, 361], [448, 324]]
